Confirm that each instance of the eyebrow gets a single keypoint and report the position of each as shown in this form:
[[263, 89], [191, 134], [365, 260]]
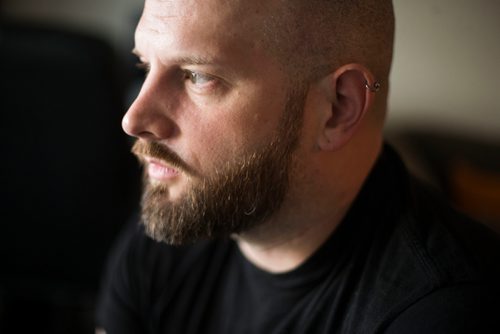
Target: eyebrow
[[186, 60]]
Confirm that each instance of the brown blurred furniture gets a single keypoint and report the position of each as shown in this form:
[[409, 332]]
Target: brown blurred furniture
[[464, 168]]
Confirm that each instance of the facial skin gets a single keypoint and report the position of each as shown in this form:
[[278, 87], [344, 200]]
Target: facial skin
[[215, 120]]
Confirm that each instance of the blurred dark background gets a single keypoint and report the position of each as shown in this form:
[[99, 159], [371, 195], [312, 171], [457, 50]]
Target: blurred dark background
[[68, 183]]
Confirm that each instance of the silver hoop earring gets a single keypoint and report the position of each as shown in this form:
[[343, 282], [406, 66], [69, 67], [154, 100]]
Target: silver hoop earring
[[374, 88]]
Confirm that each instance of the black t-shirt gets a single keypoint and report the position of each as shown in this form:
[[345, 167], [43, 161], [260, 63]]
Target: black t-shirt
[[401, 261]]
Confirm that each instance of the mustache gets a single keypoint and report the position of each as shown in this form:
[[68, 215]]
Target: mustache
[[157, 151]]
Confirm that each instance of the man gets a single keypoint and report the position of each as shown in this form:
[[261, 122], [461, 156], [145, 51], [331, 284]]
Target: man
[[273, 204]]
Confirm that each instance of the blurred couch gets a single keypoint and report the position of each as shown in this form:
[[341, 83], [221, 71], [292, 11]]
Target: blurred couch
[[465, 168]]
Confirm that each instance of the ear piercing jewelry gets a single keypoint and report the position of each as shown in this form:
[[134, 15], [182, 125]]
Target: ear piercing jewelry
[[373, 88]]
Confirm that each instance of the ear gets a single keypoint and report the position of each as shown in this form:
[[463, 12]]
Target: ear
[[350, 90]]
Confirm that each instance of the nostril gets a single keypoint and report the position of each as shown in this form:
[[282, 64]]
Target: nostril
[[147, 135]]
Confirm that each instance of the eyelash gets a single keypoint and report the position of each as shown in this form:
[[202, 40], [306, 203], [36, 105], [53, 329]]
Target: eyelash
[[192, 76], [189, 75]]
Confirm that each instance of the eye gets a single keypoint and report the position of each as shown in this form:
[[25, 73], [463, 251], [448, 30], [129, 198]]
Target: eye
[[199, 79]]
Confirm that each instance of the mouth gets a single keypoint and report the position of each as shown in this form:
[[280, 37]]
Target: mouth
[[160, 171]]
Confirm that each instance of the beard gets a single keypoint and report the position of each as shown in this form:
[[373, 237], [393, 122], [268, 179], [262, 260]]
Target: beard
[[240, 194]]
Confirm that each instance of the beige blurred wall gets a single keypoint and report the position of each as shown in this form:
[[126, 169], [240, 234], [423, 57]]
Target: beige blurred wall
[[446, 70]]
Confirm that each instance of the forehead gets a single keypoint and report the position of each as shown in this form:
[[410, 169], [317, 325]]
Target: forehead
[[208, 10], [208, 24]]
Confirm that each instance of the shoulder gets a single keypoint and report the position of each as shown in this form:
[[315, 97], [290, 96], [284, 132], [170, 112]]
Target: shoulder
[[461, 308], [453, 245], [426, 256], [444, 243]]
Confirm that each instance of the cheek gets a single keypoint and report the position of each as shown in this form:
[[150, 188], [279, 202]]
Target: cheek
[[212, 134], [206, 141], [214, 143]]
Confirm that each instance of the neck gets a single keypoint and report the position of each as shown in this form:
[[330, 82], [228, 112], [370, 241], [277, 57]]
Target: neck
[[305, 222], [281, 251]]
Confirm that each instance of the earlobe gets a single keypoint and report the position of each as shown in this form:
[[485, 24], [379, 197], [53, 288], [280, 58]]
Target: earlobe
[[351, 90]]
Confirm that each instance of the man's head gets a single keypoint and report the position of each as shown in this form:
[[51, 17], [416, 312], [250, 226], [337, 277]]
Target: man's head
[[243, 101]]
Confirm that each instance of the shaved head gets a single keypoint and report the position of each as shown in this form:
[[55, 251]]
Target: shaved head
[[315, 37]]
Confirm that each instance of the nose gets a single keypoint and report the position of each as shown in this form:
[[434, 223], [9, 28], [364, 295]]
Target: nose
[[148, 117]]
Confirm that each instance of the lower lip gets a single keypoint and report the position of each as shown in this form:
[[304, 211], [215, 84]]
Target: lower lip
[[161, 172]]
